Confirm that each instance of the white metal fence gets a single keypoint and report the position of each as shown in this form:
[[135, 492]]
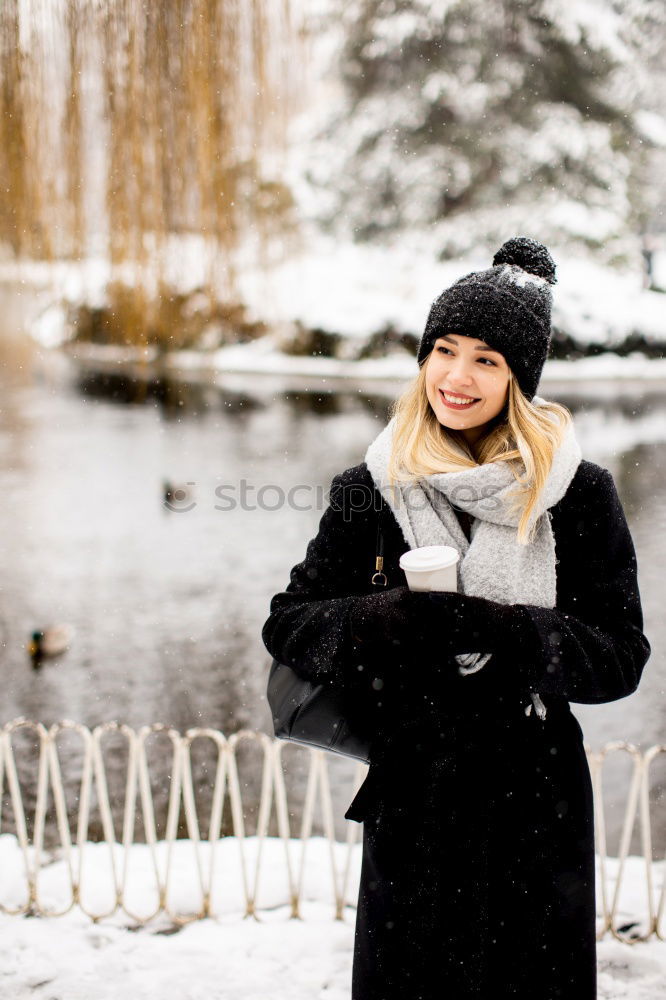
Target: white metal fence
[[262, 873]]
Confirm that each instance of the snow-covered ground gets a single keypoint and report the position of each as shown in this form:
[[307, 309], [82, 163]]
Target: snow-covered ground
[[72, 959], [69, 958], [229, 957], [355, 290]]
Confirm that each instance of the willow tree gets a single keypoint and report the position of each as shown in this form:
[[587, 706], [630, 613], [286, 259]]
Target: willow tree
[[127, 128]]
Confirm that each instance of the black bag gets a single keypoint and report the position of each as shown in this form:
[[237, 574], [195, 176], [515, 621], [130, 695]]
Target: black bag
[[313, 714]]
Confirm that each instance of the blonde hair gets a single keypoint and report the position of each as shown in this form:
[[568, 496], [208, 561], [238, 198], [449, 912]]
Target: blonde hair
[[524, 435]]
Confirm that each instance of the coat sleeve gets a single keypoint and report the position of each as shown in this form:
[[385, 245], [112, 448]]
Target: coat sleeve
[[591, 647], [310, 623]]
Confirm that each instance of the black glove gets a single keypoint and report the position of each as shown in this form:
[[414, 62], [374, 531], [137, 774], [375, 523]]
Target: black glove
[[447, 623], [397, 616]]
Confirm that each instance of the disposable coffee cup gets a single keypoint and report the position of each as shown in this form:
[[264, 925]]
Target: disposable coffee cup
[[431, 567]]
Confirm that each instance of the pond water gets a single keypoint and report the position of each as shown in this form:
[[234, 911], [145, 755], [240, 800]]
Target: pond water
[[167, 604]]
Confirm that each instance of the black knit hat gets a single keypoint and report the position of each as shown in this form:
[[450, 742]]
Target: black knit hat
[[507, 306]]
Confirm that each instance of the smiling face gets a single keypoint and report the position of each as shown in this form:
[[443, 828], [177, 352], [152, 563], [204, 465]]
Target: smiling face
[[467, 384]]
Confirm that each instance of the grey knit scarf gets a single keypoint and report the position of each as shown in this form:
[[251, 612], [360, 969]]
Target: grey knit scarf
[[493, 564]]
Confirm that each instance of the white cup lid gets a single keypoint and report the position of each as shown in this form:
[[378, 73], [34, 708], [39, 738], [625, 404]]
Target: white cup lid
[[427, 558]]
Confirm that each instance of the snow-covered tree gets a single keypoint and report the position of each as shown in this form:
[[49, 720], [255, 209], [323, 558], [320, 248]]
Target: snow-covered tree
[[469, 120]]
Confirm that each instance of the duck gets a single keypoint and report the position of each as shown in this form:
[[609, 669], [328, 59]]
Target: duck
[[176, 494], [49, 641]]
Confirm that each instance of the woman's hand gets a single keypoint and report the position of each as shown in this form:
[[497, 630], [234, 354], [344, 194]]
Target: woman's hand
[[389, 615], [447, 623]]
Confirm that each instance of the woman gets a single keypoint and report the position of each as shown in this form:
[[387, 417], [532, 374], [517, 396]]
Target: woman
[[478, 852]]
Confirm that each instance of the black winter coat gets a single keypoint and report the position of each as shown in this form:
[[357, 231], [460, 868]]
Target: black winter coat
[[478, 853]]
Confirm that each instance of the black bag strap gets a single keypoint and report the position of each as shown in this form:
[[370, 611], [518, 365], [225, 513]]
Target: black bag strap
[[379, 578]]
